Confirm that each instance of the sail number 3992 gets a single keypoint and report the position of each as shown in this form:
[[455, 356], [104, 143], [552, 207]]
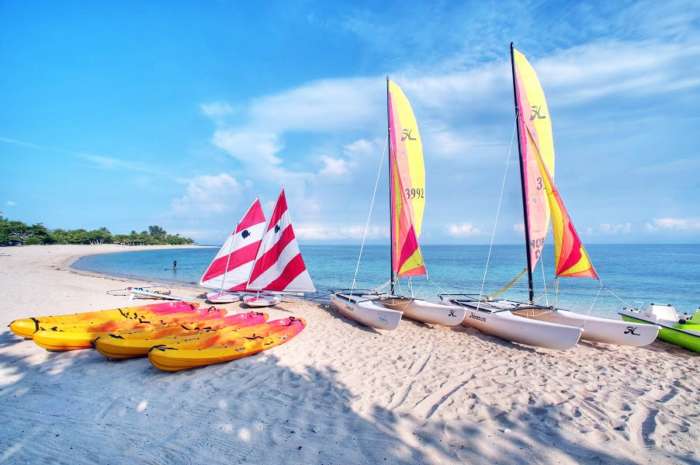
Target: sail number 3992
[[415, 193]]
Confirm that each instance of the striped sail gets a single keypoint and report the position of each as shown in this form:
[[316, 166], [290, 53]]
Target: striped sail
[[279, 265], [570, 257], [535, 129], [407, 184], [231, 267]]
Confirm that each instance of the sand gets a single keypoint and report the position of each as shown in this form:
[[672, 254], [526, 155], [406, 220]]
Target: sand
[[336, 394]]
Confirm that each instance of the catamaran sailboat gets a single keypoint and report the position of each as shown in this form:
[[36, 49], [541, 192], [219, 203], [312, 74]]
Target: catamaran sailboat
[[541, 200], [407, 202]]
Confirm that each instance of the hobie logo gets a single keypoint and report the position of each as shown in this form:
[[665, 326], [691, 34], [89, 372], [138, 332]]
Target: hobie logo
[[477, 317], [407, 134], [536, 109], [632, 330]]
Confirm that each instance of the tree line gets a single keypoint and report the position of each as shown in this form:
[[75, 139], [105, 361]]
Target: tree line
[[19, 233]]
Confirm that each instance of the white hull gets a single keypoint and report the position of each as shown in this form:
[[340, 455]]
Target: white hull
[[367, 312], [261, 300], [427, 312], [144, 294], [506, 325], [222, 297], [598, 329]]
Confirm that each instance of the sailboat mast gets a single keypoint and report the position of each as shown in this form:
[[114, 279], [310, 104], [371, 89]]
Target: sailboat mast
[[392, 278], [228, 261], [530, 287]]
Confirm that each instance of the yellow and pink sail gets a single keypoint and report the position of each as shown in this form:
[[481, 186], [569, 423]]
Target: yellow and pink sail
[[542, 200], [406, 184]]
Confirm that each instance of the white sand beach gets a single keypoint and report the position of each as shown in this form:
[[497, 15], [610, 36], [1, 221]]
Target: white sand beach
[[337, 394]]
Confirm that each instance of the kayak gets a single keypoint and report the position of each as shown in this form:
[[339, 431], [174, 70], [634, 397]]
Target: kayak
[[26, 327], [204, 339], [129, 344], [63, 338], [686, 335], [169, 358]]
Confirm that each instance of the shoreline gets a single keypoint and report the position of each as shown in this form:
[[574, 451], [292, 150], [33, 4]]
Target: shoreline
[[338, 393], [70, 262]]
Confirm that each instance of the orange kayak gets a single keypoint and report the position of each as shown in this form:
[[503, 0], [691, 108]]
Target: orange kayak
[[129, 344], [226, 348]]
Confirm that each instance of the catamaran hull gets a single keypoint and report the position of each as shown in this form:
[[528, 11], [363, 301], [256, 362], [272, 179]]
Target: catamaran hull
[[428, 312], [511, 327], [367, 312], [598, 329]]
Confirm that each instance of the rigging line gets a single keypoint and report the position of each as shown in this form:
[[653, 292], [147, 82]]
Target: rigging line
[[369, 217], [544, 279], [498, 214], [622, 301], [595, 299]]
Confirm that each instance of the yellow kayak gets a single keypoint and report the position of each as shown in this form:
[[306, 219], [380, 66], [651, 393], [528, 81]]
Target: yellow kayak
[[129, 344], [26, 327], [57, 338], [169, 358]]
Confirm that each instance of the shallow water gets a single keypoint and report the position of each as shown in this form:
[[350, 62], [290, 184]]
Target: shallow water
[[638, 274]]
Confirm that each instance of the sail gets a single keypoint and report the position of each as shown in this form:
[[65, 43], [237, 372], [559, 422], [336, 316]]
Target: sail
[[535, 129], [279, 265], [570, 257], [231, 267], [407, 184]]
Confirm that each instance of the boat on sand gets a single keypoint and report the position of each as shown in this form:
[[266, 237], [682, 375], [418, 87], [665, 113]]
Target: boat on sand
[[541, 202], [407, 203]]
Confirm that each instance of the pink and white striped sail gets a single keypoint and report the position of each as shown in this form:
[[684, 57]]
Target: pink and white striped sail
[[230, 269], [279, 265]]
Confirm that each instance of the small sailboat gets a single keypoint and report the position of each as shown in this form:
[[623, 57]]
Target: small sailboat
[[542, 202], [230, 269], [683, 331], [279, 267], [407, 203]]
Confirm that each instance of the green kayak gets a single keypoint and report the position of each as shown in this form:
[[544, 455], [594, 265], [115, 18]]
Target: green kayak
[[684, 335], [695, 319]]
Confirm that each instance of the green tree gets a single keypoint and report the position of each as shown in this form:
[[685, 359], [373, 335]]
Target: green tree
[[18, 233]]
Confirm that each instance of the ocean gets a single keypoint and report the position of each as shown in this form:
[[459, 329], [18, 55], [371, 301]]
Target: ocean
[[632, 275]]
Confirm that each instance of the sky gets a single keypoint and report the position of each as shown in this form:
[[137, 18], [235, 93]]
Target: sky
[[127, 114]]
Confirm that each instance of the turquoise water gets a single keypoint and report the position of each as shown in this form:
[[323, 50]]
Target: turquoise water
[[638, 274]]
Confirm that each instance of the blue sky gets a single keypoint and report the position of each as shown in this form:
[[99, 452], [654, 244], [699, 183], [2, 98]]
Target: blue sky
[[136, 113]]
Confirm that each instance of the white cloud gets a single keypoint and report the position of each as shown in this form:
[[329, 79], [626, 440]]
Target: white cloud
[[674, 224], [216, 109], [614, 229], [592, 71], [363, 147], [250, 147], [208, 194], [463, 230], [11, 203], [333, 166], [322, 232], [321, 106]]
